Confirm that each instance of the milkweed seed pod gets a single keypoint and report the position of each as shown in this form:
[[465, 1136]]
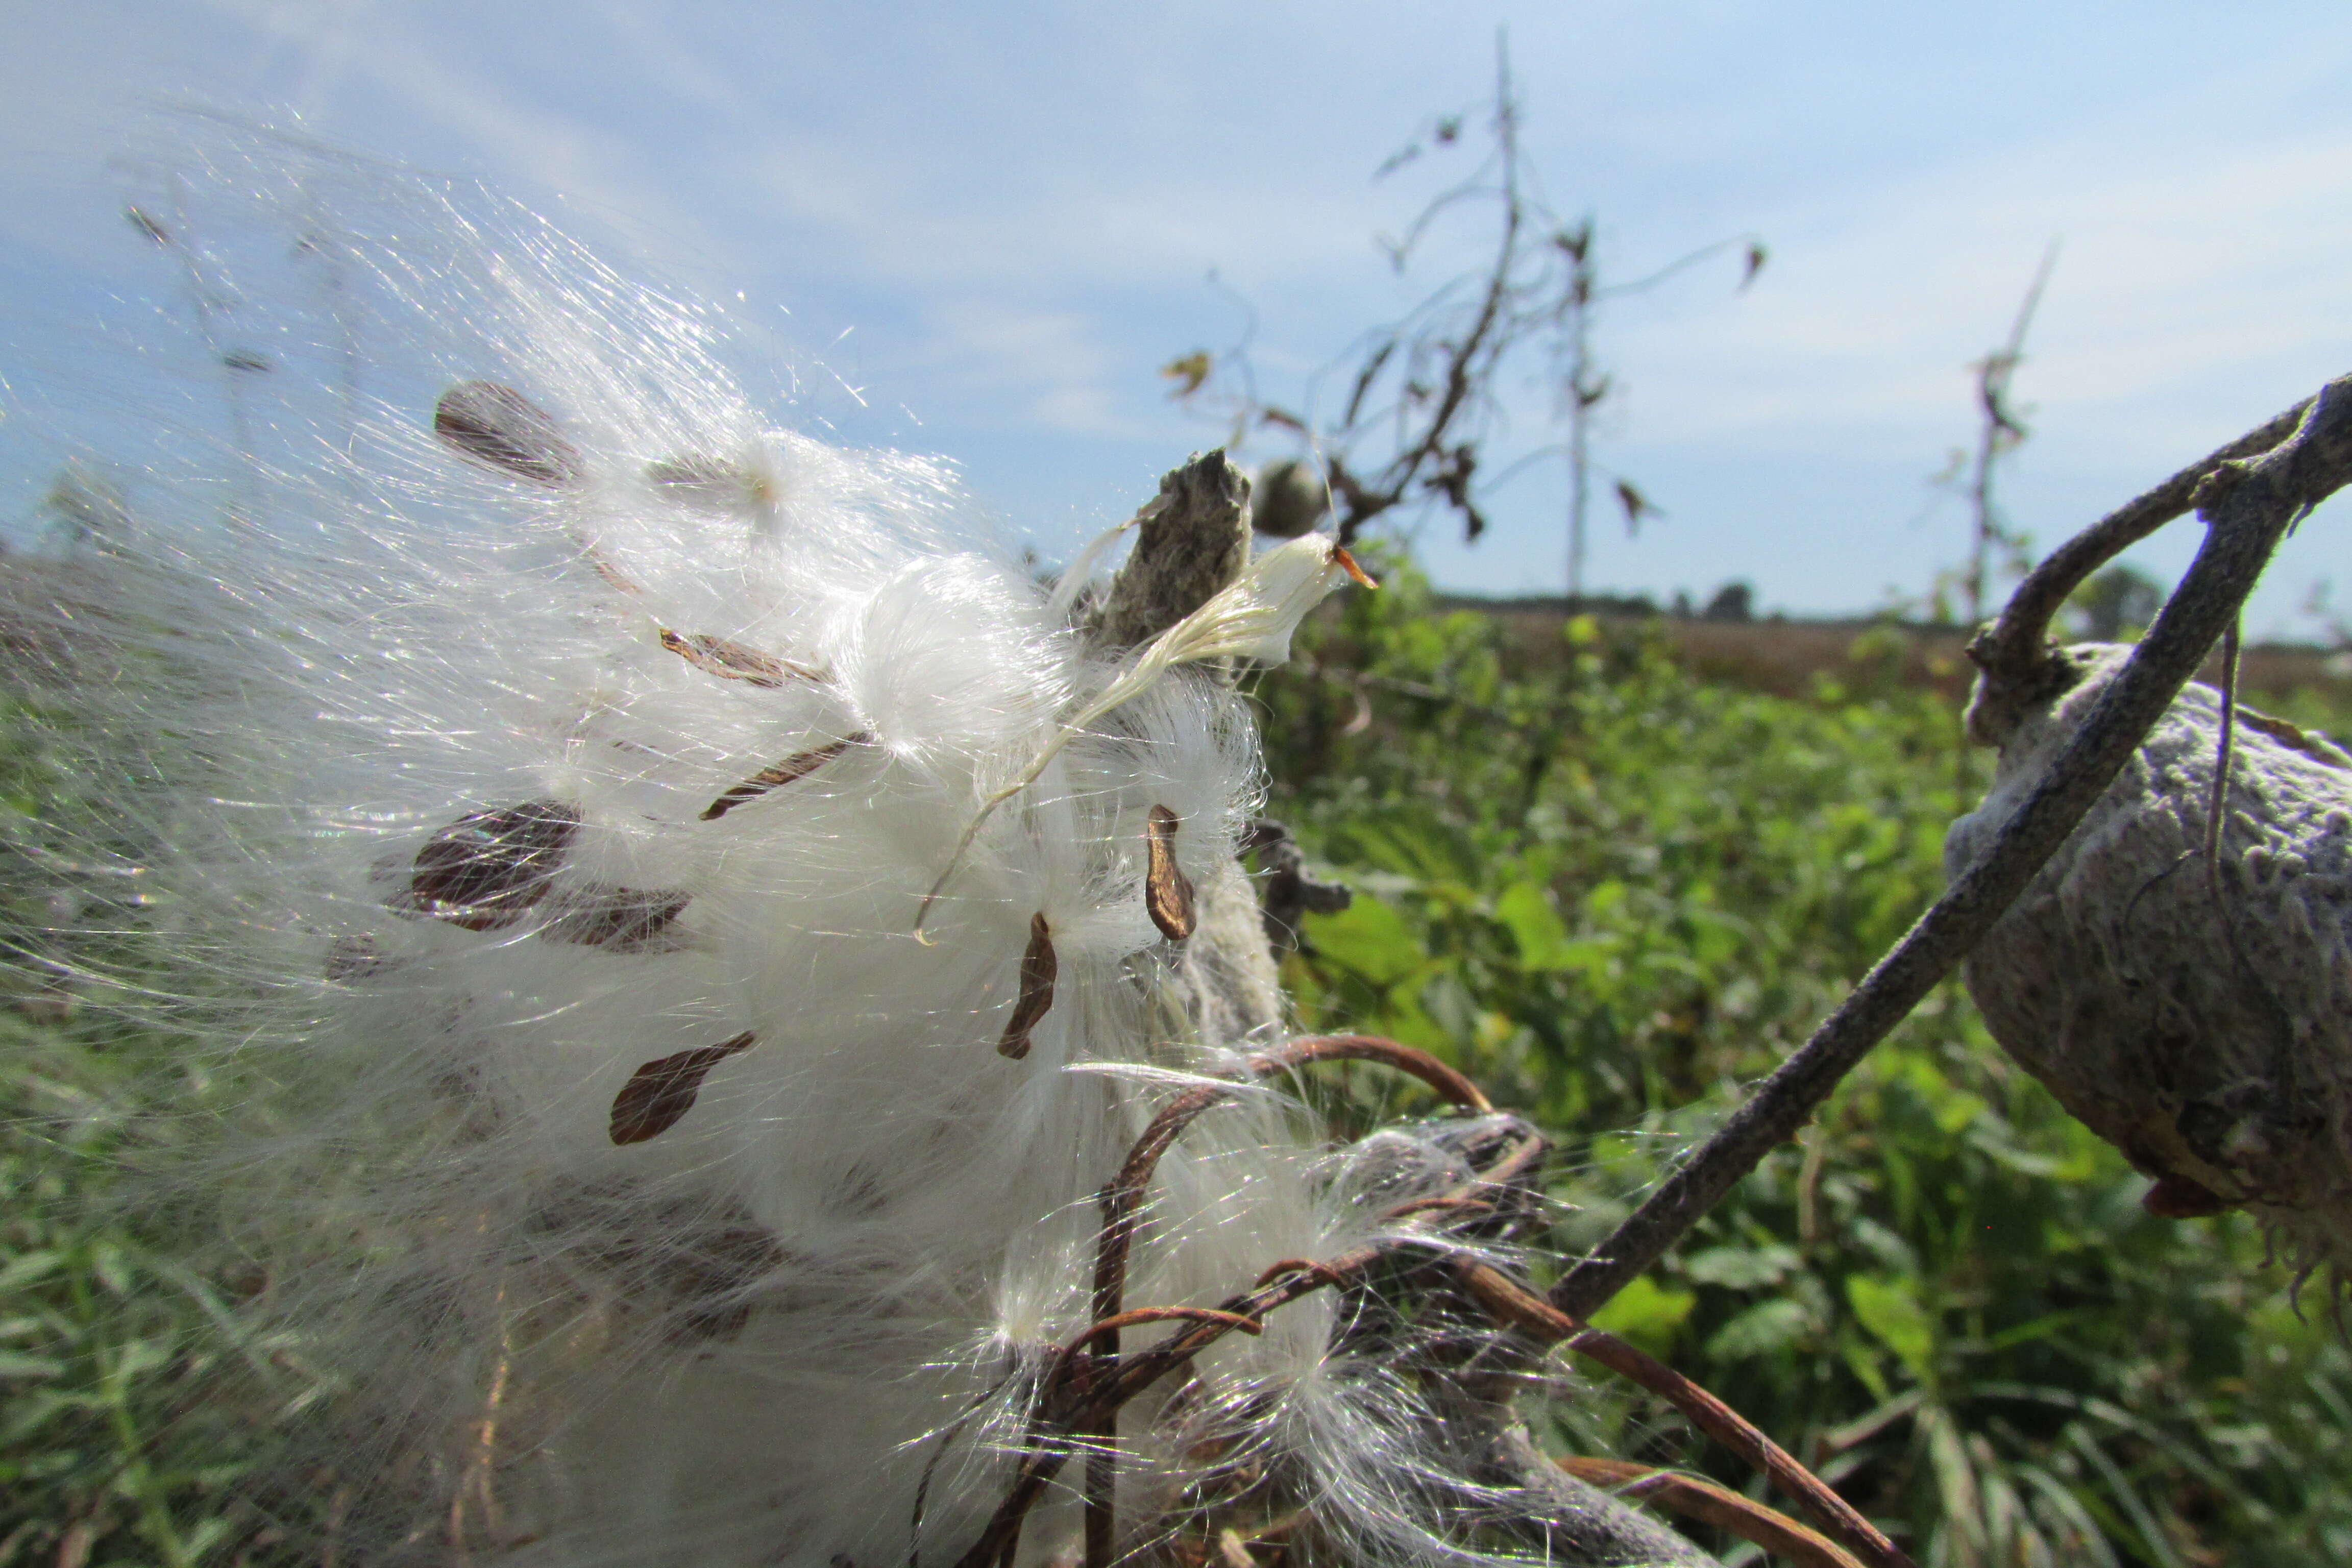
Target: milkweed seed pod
[[2196, 1015], [532, 766]]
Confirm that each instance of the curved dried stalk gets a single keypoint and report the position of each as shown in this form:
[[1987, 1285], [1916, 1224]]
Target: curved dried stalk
[[1075, 1410], [1122, 1199], [2012, 652], [1711, 1504], [1458, 1090], [1511, 1304]]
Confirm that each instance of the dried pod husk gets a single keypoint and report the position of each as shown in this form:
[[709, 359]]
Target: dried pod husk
[[2197, 1015]]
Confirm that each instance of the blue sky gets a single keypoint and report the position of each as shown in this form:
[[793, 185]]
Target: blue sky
[[1014, 211]]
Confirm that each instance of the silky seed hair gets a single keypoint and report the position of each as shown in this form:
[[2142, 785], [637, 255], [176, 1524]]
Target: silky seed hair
[[520, 768]]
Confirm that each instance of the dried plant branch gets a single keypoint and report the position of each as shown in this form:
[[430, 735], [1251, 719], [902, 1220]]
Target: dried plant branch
[[2012, 652], [1709, 1503], [1420, 1064], [2002, 429], [1554, 1512], [1078, 1401], [2248, 507], [1120, 1201], [1511, 1304], [1427, 392]]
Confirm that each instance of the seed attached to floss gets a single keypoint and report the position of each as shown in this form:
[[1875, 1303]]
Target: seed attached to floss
[[661, 1092], [350, 958], [1038, 968], [781, 775], [487, 869], [1167, 892], [499, 427], [733, 661], [618, 920], [707, 483]]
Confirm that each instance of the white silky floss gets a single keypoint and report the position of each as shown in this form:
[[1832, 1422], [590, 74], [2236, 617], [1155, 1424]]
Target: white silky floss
[[555, 759]]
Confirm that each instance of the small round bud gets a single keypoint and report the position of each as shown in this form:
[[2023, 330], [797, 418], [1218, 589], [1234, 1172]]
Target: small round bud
[[1288, 499]]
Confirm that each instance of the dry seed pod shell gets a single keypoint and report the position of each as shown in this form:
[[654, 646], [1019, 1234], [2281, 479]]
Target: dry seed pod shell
[[2210, 1041]]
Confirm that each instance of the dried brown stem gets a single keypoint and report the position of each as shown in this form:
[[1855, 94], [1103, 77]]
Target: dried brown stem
[[2247, 507], [2013, 650], [1420, 1064], [1716, 1505], [1120, 1201], [1511, 1304], [1086, 1408]]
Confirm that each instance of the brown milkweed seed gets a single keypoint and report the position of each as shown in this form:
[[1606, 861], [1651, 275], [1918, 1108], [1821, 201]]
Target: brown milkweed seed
[[707, 483], [733, 661], [661, 1091], [781, 775], [1038, 967], [617, 919], [499, 427], [1167, 892], [485, 871]]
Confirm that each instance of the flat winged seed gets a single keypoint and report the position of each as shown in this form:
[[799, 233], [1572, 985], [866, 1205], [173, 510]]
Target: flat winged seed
[[1167, 892], [499, 427], [2176, 1196], [1038, 968], [733, 661], [356, 958], [781, 775], [485, 871], [618, 920], [661, 1091], [708, 483]]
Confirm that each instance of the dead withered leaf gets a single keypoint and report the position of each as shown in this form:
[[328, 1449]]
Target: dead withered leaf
[[1188, 371], [618, 920], [498, 426], [780, 774], [1167, 892], [733, 661], [661, 1091], [1038, 968], [485, 869]]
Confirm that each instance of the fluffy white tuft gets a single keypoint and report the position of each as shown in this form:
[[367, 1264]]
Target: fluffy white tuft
[[533, 816]]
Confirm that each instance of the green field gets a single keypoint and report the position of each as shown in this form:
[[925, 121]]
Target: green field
[[1615, 892]]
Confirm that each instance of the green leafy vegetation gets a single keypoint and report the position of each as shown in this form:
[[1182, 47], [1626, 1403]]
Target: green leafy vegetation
[[1616, 894]]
